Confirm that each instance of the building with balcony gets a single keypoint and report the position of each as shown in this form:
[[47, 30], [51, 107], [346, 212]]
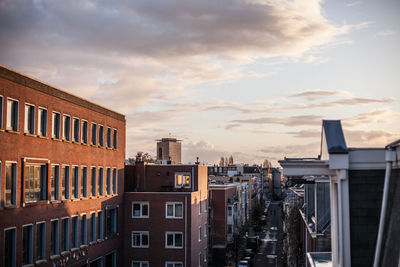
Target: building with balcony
[[61, 177], [166, 215]]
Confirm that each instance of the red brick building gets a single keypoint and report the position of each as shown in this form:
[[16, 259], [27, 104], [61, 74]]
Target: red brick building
[[166, 214], [61, 177]]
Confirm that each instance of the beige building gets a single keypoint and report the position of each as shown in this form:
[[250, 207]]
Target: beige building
[[169, 149]]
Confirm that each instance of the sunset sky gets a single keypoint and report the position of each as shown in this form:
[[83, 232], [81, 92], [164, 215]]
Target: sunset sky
[[248, 78]]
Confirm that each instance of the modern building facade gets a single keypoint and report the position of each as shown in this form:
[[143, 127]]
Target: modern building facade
[[61, 177], [169, 150], [166, 213]]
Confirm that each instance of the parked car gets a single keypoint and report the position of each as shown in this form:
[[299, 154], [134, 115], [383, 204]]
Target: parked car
[[253, 242], [248, 252], [243, 264]]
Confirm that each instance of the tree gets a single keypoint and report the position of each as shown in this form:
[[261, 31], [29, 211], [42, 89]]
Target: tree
[[222, 162], [230, 160]]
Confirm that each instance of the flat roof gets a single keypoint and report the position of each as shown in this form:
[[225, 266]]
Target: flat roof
[[25, 80]]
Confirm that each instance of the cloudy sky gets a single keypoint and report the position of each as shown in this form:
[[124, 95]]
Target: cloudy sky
[[248, 78]]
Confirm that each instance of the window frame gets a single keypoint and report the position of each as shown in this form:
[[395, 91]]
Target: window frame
[[83, 230], [65, 233], [101, 135], [57, 238], [93, 232], [14, 184], [29, 119], [115, 138], [100, 225], [182, 185], [174, 239], [174, 263], [66, 195], [199, 234], [64, 136], [14, 119], [93, 131], [42, 239], [108, 181], [14, 244], [74, 232], [109, 137], [75, 182], [100, 185], [140, 262], [1, 111], [42, 181], [93, 181], [83, 182], [114, 187], [55, 131], [141, 233], [30, 245], [174, 210], [56, 182], [42, 124], [84, 135], [141, 203]]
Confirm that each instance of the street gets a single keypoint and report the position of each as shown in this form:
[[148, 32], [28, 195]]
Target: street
[[271, 236]]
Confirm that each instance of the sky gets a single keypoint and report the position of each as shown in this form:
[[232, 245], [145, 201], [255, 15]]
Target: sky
[[249, 78]]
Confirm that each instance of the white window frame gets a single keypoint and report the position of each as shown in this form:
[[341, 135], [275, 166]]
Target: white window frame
[[182, 185], [173, 233], [40, 121], [199, 235], [87, 131], [73, 129], [53, 125], [26, 119], [91, 134], [63, 123], [141, 203], [140, 262], [174, 209], [142, 233], [11, 126]]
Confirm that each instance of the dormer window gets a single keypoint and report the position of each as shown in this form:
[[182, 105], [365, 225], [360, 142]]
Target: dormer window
[[182, 180]]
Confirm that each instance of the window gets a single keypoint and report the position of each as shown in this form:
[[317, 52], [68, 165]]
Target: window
[[199, 206], [114, 181], [108, 137], [140, 264], [11, 184], [100, 225], [55, 182], [42, 122], [111, 259], [27, 244], [65, 182], [174, 210], [41, 241], [12, 115], [54, 237], [74, 232], [56, 125], [205, 205], [93, 227], [84, 132], [199, 233], [115, 139], [65, 234], [140, 239], [199, 259], [229, 229], [173, 264], [67, 127], [101, 135], [182, 179], [10, 247], [205, 254], [100, 181], [75, 128], [84, 182], [83, 230], [94, 133], [140, 209], [75, 181], [93, 181], [111, 223], [173, 240], [230, 211], [1, 112], [205, 230], [108, 181], [35, 182], [29, 122]]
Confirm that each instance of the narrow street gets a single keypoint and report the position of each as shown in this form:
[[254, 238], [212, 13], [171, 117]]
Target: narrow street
[[271, 236]]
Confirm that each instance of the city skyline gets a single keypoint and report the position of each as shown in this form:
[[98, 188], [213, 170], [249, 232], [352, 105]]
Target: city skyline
[[252, 79]]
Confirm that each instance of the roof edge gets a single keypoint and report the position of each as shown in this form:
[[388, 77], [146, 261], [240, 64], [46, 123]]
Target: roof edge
[[23, 79]]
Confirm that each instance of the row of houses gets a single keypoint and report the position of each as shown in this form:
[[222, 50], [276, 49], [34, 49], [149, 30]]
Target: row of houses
[[67, 197], [343, 204]]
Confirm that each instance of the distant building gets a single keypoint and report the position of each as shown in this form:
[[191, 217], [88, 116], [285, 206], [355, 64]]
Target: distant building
[[61, 177], [166, 215], [169, 151]]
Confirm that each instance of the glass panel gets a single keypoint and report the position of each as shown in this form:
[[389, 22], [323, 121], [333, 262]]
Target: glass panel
[[170, 240], [136, 209], [178, 240], [170, 210], [145, 210], [145, 240], [178, 210]]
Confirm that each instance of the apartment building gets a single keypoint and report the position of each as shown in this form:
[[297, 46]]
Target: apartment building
[[166, 213], [360, 186], [226, 217], [169, 150], [61, 177]]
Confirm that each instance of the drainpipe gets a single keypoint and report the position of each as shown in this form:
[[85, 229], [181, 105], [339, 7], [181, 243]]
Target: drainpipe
[[389, 158]]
